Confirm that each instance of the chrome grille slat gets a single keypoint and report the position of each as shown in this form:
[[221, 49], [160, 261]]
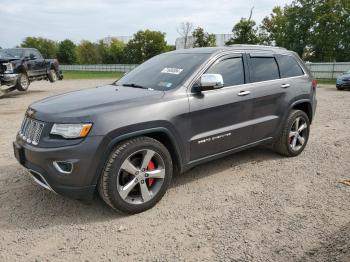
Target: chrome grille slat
[[31, 130]]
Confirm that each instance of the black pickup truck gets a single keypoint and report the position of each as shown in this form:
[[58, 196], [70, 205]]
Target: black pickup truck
[[20, 66]]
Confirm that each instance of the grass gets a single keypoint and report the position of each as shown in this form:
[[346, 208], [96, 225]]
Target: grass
[[91, 75], [326, 81]]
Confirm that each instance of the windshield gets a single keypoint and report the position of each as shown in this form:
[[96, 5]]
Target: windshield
[[11, 53], [163, 72]]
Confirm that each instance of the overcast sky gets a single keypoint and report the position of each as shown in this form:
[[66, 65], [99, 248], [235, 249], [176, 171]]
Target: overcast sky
[[95, 19]]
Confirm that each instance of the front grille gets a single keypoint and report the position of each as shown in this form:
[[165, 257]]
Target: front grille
[[31, 130]]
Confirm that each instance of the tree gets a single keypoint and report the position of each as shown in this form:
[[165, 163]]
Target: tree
[[244, 32], [170, 48], [318, 30], [329, 32], [203, 39], [144, 45], [272, 30], [46, 47], [66, 53], [116, 52], [88, 53], [185, 29]]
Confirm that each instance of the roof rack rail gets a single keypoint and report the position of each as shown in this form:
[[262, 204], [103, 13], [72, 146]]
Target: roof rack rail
[[257, 46]]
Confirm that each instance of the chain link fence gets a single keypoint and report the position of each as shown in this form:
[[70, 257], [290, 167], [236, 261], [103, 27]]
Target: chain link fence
[[319, 70]]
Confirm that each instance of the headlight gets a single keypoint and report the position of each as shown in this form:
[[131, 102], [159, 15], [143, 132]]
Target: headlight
[[8, 68], [71, 130]]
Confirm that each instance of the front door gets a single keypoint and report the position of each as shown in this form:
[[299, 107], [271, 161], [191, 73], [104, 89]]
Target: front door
[[220, 118]]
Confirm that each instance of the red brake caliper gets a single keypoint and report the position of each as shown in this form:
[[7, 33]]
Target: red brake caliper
[[150, 167]]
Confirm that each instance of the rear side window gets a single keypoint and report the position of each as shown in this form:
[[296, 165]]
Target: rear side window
[[37, 54], [289, 67], [231, 69], [264, 68]]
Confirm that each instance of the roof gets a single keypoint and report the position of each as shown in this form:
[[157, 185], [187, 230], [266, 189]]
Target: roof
[[212, 50]]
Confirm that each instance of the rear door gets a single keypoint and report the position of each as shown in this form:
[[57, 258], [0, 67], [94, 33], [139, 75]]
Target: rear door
[[220, 117], [270, 95]]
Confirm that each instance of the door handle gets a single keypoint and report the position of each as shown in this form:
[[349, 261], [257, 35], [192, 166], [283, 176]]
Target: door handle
[[285, 85], [243, 93]]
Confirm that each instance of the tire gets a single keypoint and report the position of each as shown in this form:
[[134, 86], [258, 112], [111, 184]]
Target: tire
[[291, 142], [22, 83], [52, 76], [125, 186], [340, 88]]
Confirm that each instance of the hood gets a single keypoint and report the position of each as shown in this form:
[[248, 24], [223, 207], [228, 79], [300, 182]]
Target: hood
[[8, 59], [345, 77], [85, 103]]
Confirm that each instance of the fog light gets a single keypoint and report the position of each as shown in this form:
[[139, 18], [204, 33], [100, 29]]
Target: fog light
[[63, 167]]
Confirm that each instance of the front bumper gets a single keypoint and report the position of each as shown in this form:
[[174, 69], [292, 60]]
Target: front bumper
[[80, 183], [344, 84], [8, 79]]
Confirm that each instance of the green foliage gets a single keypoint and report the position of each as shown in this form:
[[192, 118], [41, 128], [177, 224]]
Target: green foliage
[[318, 30], [88, 53], [170, 48], [66, 53], [203, 39], [244, 32], [273, 29], [144, 45], [46, 47], [112, 53]]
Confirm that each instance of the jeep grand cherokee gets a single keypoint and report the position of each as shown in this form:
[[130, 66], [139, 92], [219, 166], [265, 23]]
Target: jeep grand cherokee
[[174, 111]]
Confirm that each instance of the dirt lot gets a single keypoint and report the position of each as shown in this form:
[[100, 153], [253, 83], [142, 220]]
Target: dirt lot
[[252, 206]]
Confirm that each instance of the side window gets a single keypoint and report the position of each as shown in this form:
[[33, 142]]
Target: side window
[[37, 54], [264, 68], [231, 69], [289, 67]]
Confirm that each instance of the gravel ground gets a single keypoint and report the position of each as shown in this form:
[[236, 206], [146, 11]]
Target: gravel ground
[[251, 206]]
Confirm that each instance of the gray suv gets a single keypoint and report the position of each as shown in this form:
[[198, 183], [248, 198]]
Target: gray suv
[[175, 111]]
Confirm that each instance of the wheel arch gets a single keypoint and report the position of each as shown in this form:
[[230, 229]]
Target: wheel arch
[[305, 106], [23, 70], [161, 134]]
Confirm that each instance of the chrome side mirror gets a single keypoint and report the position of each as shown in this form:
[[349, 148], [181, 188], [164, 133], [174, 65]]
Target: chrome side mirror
[[210, 82]]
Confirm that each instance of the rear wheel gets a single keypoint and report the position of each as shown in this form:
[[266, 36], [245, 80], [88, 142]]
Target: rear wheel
[[136, 176], [22, 83], [295, 134], [52, 76]]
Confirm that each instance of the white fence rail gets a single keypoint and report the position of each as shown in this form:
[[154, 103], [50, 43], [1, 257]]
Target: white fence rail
[[100, 67], [319, 70], [328, 70]]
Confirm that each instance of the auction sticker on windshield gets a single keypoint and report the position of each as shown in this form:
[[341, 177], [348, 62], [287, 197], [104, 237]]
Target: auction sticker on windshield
[[169, 70]]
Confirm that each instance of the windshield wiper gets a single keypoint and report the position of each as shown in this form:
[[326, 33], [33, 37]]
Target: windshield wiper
[[134, 85]]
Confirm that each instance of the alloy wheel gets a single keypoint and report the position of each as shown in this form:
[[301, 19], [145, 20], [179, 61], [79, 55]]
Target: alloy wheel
[[24, 82], [141, 176], [297, 134]]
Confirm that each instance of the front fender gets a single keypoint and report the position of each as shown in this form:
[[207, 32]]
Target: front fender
[[116, 136]]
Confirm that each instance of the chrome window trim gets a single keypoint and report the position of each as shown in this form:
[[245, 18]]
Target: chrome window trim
[[213, 59]]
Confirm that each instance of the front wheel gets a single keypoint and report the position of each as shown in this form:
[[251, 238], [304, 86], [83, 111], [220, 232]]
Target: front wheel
[[22, 83], [52, 76], [136, 175], [294, 135]]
